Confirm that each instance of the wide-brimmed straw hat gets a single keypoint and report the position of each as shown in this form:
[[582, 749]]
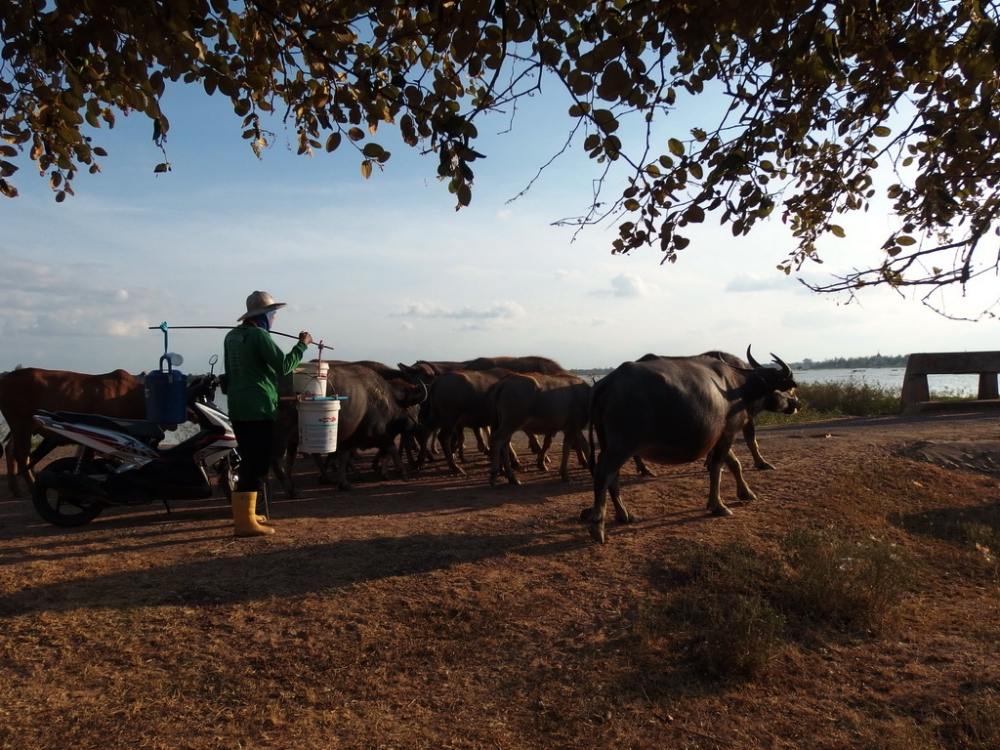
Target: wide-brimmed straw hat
[[260, 303]]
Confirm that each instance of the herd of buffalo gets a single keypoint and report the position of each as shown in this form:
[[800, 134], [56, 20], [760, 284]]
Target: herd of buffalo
[[669, 410]]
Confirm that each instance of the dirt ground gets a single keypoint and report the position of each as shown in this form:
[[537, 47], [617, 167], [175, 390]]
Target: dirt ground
[[443, 613]]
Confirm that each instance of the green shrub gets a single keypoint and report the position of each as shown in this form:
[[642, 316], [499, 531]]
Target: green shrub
[[846, 583], [826, 400], [739, 634], [736, 629]]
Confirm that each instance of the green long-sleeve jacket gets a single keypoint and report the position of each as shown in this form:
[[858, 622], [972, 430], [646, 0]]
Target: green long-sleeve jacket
[[253, 365]]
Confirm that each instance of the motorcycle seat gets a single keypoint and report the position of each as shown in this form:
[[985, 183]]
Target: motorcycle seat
[[141, 429]]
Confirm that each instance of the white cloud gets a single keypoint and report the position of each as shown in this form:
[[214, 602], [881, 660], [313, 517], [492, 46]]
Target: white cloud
[[126, 328], [749, 282], [496, 311], [504, 213], [626, 285]]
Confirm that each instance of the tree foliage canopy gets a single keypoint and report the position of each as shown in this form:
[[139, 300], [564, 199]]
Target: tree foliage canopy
[[826, 106]]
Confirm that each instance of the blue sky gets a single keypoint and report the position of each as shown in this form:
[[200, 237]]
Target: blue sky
[[386, 269]]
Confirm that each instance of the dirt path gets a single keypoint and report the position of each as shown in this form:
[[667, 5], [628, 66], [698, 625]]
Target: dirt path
[[444, 613]]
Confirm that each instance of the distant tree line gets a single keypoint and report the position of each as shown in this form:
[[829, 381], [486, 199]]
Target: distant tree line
[[837, 363], [843, 363]]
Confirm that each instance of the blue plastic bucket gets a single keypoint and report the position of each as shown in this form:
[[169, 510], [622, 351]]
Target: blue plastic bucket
[[166, 395]]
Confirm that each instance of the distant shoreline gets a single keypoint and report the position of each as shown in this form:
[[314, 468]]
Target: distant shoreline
[[886, 363]]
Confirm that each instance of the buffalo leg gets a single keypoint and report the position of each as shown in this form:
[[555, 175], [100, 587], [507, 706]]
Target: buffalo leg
[[573, 441], [18, 454], [541, 451], [397, 460], [483, 438], [323, 465], [12, 468], [640, 466], [503, 458], [606, 478], [715, 460], [750, 436], [448, 439], [343, 458], [743, 492]]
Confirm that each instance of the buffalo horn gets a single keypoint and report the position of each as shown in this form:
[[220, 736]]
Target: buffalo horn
[[785, 369], [753, 362]]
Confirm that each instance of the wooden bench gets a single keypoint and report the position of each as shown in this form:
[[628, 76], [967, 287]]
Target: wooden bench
[[919, 366]]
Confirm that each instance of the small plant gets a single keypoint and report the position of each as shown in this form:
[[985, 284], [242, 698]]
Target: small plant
[[740, 634], [846, 583], [738, 630], [977, 725]]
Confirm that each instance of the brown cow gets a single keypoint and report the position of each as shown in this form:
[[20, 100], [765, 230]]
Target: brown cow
[[457, 400], [538, 403], [23, 392], [425, 369]]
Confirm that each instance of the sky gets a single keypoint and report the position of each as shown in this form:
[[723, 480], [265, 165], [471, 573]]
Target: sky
[[386, 269]]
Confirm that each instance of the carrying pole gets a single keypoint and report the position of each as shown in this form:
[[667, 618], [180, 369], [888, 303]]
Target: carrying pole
[[164, 327]]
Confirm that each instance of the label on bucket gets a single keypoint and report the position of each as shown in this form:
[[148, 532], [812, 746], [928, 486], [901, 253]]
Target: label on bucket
[[318, 425]]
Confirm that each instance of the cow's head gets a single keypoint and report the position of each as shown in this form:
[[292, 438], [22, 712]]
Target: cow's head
[[774, 381], [783, 402], [419, 372], [408, 394]]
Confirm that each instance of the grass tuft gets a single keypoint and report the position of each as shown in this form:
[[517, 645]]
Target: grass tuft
[[850, 584]]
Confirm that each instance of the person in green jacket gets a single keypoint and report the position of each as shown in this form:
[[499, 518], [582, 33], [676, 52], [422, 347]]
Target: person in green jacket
[[254, 363]]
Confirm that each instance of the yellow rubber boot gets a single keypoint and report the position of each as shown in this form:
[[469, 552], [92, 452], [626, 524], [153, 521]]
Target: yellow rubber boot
[[245, 516]]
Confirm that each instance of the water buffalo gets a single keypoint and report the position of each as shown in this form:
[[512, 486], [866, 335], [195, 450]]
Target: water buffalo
[[430, 370], [537, 403], [26, 390], [675, 410], [374, 414], [457, 400], [783, 402]]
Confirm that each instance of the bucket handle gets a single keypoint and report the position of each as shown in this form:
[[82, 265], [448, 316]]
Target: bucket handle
[[170, 365]]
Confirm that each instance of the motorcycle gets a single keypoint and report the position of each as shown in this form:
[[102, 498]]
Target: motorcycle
[[120, 461]]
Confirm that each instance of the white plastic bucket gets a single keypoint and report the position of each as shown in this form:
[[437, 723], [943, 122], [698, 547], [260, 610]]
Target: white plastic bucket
[[318, 425], [309, 379]]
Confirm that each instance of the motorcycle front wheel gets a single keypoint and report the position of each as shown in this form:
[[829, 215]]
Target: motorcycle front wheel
[[59, 505]]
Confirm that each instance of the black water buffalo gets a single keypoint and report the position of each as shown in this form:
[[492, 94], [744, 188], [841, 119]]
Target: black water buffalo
[[457, 400], [783, 402], [374, 414], [537, 403], [675, 410], [429, 370]]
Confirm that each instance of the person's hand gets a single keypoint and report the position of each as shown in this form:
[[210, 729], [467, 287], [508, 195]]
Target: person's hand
[[305, 338]]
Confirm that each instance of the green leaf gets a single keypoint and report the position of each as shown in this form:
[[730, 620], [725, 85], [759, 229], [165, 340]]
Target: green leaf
[[905, 240], [676, 147], [695, 214], [837, 231], [881, 131]]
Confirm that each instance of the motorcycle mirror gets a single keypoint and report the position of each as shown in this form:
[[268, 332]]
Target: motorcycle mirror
[[175, 359], [212, 361]]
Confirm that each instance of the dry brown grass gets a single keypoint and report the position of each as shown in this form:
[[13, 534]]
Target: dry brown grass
[[441, 613]]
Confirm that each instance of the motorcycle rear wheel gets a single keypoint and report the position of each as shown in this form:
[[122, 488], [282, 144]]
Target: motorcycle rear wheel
[[60, 506]]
